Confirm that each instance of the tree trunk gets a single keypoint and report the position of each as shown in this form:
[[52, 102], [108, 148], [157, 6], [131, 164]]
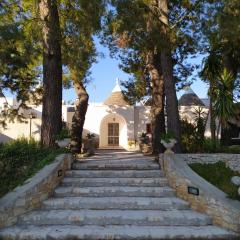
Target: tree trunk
[[173, 120], [219, 129], [162, 123], [52, 72], [157, 109], [212, 119], [79, 117]]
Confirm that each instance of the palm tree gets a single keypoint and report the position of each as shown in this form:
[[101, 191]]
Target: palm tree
[[209, 73]]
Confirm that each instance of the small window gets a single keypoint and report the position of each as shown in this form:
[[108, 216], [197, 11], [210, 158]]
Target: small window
[[148, 128]]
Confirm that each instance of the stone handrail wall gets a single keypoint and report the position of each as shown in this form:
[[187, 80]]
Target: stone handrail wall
[[231, 160], [35, 190], [224, 211]]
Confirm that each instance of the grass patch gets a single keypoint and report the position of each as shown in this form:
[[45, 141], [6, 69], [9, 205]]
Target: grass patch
[[21, 159], [219, 175]]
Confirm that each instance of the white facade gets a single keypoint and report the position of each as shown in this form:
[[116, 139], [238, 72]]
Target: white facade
[[132, 121], [114, 125]]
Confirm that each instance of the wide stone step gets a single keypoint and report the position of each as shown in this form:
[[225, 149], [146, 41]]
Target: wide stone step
[[116, 217], [99, 182], [117, 191], [116, 166], [101, 203], [114, 173], [124, 232], [116, 161]]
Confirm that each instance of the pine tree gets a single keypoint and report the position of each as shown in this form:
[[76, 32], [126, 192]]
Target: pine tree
[[18, 58], [80, 21]]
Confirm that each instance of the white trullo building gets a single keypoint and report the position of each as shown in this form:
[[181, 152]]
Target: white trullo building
[[115, 123]]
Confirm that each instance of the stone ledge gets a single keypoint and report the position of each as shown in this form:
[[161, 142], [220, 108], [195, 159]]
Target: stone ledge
[[231, 160], [35, 190], [225, 212]]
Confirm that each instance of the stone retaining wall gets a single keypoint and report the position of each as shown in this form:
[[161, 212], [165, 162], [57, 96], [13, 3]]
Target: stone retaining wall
[[224, 211], [35, 190], [231, 160]]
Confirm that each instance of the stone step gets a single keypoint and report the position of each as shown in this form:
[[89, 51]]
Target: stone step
[[116, 217], [114, 173], [117, 191], [121, 161], [101, 203], [122, 232], [99, 182], [116, 166]]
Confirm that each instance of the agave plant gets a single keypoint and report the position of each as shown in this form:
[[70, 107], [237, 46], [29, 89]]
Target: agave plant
[[223, 99]]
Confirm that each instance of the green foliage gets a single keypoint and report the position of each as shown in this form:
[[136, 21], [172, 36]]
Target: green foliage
[[223, 102], [80, 20], [188, 136], [21, 159], [192, 134], [63, 134], [210, 146], [219, 175], [220, 28], [168, 136], [200, 118], [18, 53], [133, 28]]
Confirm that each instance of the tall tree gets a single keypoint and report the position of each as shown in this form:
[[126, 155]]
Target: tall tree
[[52, 72], [18, 57], [132, 32], [157, 103], [151, 26], [80, 21], [211, 70], [220, 28], [173, 121]]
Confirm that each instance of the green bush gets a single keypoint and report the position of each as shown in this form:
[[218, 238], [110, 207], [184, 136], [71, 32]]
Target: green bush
[[193, 141], [188, 137], [219, 175], [168, 136], [63, 134], [210, 146], [20, 159]]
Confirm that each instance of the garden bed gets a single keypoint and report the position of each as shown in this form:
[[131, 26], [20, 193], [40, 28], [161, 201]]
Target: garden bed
[[21, 159], [219, 175]]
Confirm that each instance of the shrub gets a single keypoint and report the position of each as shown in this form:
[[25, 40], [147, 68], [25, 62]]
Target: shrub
[[168, 136], [209, 146], [20, 159], [188, 136]]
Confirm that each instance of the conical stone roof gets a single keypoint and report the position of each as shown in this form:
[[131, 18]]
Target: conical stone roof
[[116, 97], [190, 98]]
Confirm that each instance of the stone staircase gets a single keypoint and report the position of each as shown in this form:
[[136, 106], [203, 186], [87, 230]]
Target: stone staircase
[[114, 199]]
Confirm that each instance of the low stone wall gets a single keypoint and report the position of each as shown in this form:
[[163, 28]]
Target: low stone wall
[[231, 160], [35, 190], [224, 211]]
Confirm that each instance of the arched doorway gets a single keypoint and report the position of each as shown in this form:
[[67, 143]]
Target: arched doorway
[[113, 132]]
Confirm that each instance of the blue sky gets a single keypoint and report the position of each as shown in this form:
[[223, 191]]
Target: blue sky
[[105, 72]]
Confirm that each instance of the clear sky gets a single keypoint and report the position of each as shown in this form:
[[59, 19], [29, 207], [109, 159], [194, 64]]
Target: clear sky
[[104, 74]]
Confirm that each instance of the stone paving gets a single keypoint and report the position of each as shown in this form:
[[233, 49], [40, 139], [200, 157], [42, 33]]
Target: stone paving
[[114, 195]]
